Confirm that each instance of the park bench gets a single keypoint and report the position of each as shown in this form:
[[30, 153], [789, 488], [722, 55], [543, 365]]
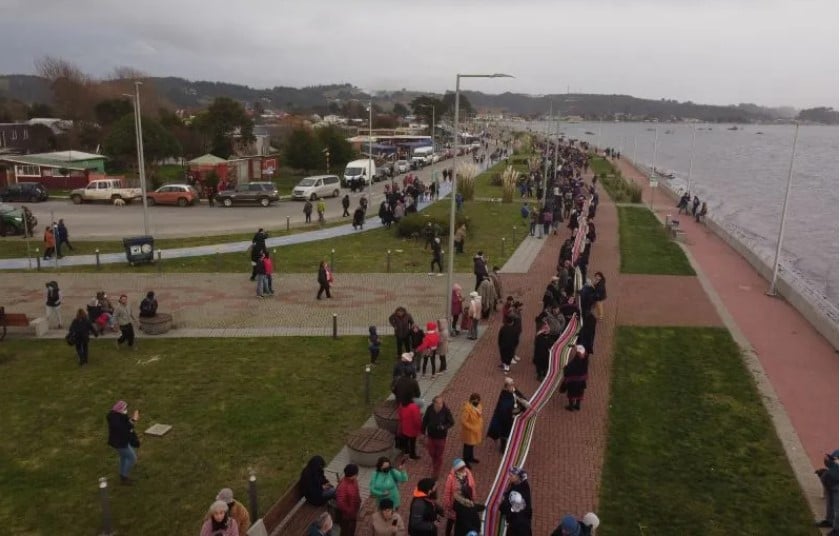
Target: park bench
[[156, 325], [37, 326], [291, 514], [367, 445], [385, 415], [674, 230]]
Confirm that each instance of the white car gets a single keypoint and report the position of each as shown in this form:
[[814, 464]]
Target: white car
[[435, 158], [401, 166]]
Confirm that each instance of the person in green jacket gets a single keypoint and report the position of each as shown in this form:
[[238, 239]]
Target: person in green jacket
[[385, 481]]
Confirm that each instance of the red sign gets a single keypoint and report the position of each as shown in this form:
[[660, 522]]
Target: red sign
[[269, 166]]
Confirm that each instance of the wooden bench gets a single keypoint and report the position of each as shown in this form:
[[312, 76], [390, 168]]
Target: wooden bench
[[367, 445], [38, 326], [283, 509], [385, 415], [156, 325]]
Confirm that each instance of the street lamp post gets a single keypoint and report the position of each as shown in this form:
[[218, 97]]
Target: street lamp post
[[454, 191], [691, 158], [432, 106], [370, 143], [141, 166], [772, 290]]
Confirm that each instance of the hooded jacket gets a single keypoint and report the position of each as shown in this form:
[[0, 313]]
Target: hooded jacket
[[421, 520], [431, 339]]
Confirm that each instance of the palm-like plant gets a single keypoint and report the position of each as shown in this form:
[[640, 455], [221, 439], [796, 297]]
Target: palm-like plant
[[466, 173], [509, 179]]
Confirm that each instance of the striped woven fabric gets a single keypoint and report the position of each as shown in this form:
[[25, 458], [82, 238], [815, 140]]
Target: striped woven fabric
[[522, 432]]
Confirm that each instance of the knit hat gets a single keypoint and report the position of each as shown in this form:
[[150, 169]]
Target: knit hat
[[426, 485], [591, 520], [570, 526], [218, 506], [509, 381], [351, 469], [407, 357], [437, 240], [120, 407], [473, 294], [226, 495], [386, 504], [580, 349], [517, 503], [431, 326], [519, 473], [458, 463]]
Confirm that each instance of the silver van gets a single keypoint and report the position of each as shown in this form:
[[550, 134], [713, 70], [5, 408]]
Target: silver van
[[318, 186]]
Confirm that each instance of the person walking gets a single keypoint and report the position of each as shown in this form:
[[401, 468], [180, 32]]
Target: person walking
[[402, 323], [508, 339], [349, 500], [443, 343], [259, 271], [307, 211], [474, 315], [374, 344], [385, 481], [428, 347], [472, 425], [123, 438], [79, 334], [62, 237], [236, 510], [436, 256], [268, 280], [479, 268], [575, 374], [124, 319], [322, 209], [53, 304], [435, 426], [510, 404], [828, 476], [49, 241], [324, 279], [345, 205], [460, 238]]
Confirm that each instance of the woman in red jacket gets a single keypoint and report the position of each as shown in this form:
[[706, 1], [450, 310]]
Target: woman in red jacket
[[410, 425], [348, 499]]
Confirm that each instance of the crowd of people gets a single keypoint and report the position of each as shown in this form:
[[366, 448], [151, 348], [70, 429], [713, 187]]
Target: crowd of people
[[695, 207]]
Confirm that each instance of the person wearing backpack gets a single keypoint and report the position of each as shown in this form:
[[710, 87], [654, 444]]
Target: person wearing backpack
[[53, 303], [149, 305]]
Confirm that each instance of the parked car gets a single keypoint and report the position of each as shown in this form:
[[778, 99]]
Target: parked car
[[182, 195], [12, 220], [29, 192], [401, 166], [264, 193], [105, 190], [318, 186]]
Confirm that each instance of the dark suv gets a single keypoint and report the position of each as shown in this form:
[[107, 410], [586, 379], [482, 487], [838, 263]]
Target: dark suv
[[28, 192], [263, 193]]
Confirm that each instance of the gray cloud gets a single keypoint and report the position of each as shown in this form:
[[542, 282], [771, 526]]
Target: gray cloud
[[770, 52]]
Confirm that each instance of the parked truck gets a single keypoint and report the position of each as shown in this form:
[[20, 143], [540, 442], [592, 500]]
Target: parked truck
[[107, 190], [358, 174]]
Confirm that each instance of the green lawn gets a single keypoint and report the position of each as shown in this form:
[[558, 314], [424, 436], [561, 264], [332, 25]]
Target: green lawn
[[691, 450], [645, 246], [268, 403], [365, 251], [619, 189]]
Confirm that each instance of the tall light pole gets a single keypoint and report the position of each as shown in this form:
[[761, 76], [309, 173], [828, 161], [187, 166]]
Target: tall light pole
[[772, 290], [453, 193], [141, 165], [432, 106], [653, 176], [691, 158], [370, 143]]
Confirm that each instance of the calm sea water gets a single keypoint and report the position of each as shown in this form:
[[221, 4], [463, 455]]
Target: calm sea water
[[742, 175]]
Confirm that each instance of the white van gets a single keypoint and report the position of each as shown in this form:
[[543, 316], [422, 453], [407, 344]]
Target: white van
[[425, 153], [358, 174], [318, 186]]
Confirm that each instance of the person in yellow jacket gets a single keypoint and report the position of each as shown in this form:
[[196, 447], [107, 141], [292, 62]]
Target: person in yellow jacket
[[472, 425]]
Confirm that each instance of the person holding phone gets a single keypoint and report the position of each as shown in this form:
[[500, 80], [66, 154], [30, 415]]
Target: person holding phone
[[386, 522], [122, 437], [385, 481]]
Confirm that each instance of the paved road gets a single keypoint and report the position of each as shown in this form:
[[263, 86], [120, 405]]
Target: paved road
[[101, 221]]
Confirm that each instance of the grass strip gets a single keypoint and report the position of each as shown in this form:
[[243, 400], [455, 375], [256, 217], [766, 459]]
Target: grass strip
[[646, 247]]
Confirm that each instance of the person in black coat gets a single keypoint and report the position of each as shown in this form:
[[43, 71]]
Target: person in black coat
[[518, 513], [423, 512], [586, 336], [358, 218], [575, 374], [511, 402], [80, 331], [479, 269], [122, 438], [508, 339], [345, 204], [258, 249], [323, 280], [313, 484], [543, 342]]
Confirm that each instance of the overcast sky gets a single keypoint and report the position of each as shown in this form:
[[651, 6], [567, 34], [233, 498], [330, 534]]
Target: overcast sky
[[770, 52]]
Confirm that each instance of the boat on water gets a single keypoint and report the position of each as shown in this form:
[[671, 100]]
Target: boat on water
[[733, 127], [589, 133], [665, 173]]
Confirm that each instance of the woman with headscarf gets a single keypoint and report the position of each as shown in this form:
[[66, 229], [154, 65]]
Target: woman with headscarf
[[575, 374], [516, 505], [122, 438], [219, 522], [313, 483], [511, 403]]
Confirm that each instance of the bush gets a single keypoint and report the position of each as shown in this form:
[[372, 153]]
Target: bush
[[496, 179], [413, 224]]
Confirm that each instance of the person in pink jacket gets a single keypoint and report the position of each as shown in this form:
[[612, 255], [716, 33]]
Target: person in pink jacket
[[219, 522], [457, 307], [410, 426]]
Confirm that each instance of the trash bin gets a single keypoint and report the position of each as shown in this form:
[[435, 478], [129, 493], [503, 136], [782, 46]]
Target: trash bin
[[139, 249]]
